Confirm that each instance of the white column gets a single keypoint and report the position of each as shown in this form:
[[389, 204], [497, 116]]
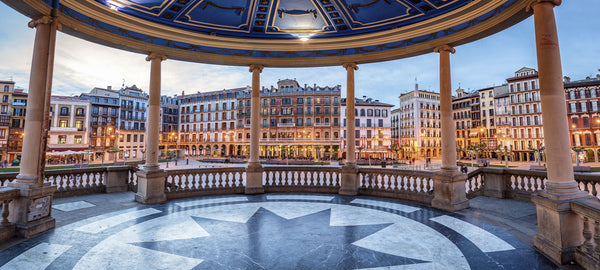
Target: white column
[[350, 117], [255, 117], [447, 123], [153, 127], [556, 130], [40, 87]]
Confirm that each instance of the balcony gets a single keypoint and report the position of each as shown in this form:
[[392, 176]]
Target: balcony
[[23, 104], [286, 124], [322, 124], [63, 129]]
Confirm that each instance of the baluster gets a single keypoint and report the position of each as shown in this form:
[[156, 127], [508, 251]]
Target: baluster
[[220, 175], [587, 235], [394, 183], [314, 178], [213, 181], [269, 179], [176, 182], [5, 213], [228, 179], [422, 184], [594, 190]]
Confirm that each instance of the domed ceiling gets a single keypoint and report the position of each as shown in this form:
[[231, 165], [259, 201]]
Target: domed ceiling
[[280, 32]]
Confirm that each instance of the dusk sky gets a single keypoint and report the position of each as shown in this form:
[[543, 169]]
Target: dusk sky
[[81, 65]]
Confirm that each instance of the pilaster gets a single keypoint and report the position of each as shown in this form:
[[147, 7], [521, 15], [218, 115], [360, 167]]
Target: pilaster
[[151, 187], [449, 191]]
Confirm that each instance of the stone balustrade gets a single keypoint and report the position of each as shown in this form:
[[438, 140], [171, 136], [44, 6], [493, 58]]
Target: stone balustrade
[[7, 229], [518, 184], [301, 179], [399, 184], [79, 181], [204, 181], [587, 255]]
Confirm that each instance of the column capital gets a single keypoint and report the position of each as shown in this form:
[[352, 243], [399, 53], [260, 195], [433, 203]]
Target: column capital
[[535, 2], [445, 47], [43, 20], [350, 65], [154, 55], [256, 67]]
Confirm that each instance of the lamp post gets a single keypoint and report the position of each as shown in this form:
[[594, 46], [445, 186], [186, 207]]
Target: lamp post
[[109, 129]]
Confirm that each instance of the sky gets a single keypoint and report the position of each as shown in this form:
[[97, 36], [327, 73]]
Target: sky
[[81, 65]]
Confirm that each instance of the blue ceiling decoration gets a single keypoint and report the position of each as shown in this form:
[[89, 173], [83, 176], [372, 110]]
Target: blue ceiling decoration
[[285, 19]]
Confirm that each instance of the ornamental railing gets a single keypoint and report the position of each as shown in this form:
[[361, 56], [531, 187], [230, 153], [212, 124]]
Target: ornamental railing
[[587, 255], [7, 196], [204, 181], [519, 184], [399, 184], [302, 179]]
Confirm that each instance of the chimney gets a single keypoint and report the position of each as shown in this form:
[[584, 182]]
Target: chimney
[[315, 87], [109, 87], [182, 93], [364, 97], [566, 79], [305, 85]]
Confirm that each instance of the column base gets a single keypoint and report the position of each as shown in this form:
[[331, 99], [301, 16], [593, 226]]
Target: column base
[[254, 179], [31, 211], [449, 191], [559, 228], [349, 181], [151, 187]]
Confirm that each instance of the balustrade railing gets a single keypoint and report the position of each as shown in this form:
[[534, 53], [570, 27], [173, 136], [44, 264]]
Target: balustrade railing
[[7, 229], [213, 181], [475, 183], [588, 254], [301, 179], [132, 183], [520, 184], [394, 183], [77, 181]]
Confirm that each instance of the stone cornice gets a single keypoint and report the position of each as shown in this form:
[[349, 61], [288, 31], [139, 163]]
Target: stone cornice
[[154, 55], [535, 2], [445, 48]]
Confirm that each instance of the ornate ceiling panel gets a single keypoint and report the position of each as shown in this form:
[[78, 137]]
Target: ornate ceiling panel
[[280, 32]]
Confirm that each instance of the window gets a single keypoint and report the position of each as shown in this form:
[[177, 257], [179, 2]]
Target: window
[[64, 111], [62, 139], [63, 123], [78, 139], [6, 89], [79, 125], [128, 137]]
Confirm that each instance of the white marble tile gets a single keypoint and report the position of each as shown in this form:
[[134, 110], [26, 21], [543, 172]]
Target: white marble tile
[[411, 239], [419, 266], [300, 197], [230, 212], [290, 210], [212, 201], [38, 257], [72, 206], [395, 205], [348, 215], [103, 224], [111, 254], [483, 239], [166, 228]]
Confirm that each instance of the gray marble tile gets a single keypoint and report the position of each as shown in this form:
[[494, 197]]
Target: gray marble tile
[[103, 224], [38, 257], [395, 205], [300, 197], [199, 202]]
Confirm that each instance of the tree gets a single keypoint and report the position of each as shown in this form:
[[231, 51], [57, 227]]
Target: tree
[[505, 152], [395, 148], [475, 149], [538, 153]]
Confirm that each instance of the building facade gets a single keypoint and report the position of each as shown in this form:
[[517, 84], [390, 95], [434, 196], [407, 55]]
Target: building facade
[[169, 124], [526, 114], [207, 123], [503, 121], [132, 122], [103, 123], [17, 124], [7, 88], [420, 130], [373, 128], [69, 125], [300, 122], [584, 117], [461, 109]]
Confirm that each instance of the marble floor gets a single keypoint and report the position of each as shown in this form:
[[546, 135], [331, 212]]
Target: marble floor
[[272, 231]]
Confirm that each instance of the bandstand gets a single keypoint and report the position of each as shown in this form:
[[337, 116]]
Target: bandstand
[[278, 33]]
